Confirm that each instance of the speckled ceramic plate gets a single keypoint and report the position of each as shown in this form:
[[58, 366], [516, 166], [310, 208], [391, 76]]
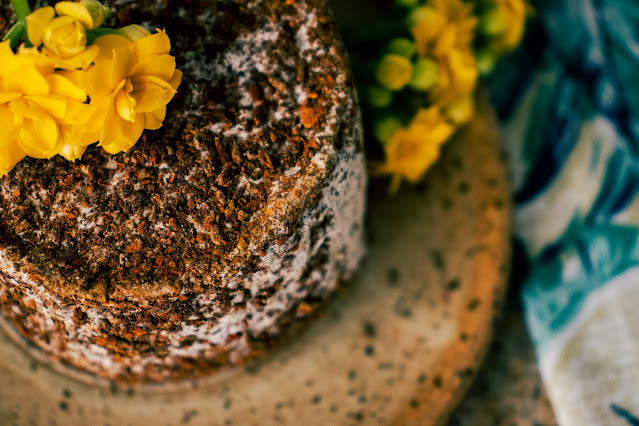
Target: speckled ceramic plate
[[398, 346]]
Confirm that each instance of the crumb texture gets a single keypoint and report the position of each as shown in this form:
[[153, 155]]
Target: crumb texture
[[214, 234]]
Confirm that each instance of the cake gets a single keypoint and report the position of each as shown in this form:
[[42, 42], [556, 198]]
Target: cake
[[217, 234]]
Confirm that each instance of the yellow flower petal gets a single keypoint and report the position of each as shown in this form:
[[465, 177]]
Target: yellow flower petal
[[85, 125], [91, 13], [10, 155], [32, 57], [62, 86], [155, 44], [176, 79], [21, 108], [151, 93], [6, 58], [72, 153], [9, 96], [76, 11], [39, 138], [121, 135], [81, 61], [108, 43], [153, 120], [124, 103], [28, 81], [54, 106], [36, 22], [160, 66], [10, 152], [123, 61]]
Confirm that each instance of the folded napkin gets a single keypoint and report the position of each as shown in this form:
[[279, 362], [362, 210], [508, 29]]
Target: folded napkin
[[569, 103]]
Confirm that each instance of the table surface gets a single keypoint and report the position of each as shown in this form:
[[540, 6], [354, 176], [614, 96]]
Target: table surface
[[508, 389]]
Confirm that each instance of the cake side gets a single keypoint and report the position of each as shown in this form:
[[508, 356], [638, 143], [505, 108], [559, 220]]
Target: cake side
[[193, 334]]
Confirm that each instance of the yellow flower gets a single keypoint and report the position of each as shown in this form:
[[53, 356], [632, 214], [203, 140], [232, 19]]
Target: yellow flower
[[442, 26], [457, 76], [509, 21], [443, 34], [412, 150], [36, 104], [130, 86], [91, 13], [64, 39]]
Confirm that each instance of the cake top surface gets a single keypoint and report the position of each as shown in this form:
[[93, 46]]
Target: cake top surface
[[247, 142]]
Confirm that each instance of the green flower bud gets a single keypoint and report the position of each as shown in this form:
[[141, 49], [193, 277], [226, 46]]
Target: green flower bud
[[425, 74], [407, 3], [394, 71], [385, 128], [492, 23], [420, 14], [402, 47], [133, 32], [379, 97]]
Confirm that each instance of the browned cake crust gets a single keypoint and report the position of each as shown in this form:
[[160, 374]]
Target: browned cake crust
[[188, 251]]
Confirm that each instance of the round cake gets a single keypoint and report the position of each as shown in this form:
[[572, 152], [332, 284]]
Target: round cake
[[213, 236]]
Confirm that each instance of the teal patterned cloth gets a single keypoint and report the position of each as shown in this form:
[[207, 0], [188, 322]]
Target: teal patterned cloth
[[569, 104]]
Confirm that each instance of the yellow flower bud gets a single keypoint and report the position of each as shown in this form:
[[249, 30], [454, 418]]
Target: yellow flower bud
[[91, 13], [65, 40], [394, 71], [65, 37], [133, 32]]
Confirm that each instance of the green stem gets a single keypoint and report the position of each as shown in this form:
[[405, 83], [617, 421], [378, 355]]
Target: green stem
[[15, 34], [21, 9]]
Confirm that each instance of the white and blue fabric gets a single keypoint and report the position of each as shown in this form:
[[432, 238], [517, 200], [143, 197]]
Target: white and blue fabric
[[569, 104]]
